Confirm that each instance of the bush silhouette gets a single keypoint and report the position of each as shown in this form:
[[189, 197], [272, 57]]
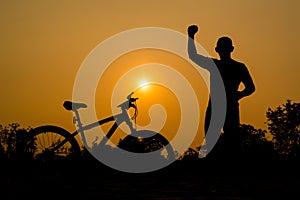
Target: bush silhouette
[[284, 126]]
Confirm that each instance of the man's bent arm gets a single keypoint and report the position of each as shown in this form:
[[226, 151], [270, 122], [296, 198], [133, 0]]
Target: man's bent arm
[[249, 86]]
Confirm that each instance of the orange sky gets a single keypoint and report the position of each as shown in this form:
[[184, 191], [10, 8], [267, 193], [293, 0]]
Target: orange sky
[[43, 44]]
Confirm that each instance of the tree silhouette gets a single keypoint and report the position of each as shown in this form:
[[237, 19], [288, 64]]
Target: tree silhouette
[[255, 143], [15, 143], [284, 125]]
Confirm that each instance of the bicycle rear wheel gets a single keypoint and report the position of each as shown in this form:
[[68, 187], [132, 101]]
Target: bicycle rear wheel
[[53, 142]]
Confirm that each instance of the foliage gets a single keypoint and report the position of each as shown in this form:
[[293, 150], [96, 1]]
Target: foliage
[[284, 125], [255, 143], [189, 154], [14, 142]]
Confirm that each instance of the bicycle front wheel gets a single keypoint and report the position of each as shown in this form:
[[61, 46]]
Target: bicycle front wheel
[[52, 143], [145, 141]]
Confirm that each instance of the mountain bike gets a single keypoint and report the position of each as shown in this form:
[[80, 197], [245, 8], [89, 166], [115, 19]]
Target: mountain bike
[[52, 142]]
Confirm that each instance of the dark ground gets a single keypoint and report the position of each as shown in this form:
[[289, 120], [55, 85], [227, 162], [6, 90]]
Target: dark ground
[[188, 180]]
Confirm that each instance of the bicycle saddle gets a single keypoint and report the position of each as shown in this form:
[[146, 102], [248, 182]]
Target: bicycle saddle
[[69, 105]]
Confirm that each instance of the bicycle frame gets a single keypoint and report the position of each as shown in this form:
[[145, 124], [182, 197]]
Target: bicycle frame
[[119, 118]]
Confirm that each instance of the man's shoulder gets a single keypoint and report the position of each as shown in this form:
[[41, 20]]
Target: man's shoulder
[[240, 66], [232, 63], [239, 63]]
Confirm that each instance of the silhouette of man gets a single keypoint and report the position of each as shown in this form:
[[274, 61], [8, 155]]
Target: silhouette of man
[[233, 73]]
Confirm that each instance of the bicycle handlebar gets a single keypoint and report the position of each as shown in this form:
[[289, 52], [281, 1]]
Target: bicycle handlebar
[[133, 99], [129, 103], [130, 99], [129, 96]]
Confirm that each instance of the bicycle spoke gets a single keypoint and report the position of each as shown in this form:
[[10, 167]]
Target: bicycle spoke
[[53, 142]]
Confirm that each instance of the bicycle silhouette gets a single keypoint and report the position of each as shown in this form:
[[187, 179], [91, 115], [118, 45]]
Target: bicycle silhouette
[[53, 142]]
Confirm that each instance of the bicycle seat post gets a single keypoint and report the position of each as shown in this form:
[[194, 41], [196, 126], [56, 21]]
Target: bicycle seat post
[[80, 127]]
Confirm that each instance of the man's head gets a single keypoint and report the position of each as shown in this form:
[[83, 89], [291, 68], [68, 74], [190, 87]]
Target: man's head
[[224, 47]]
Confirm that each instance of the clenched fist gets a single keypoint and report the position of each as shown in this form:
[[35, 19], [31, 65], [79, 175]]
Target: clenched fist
[[192, 30]]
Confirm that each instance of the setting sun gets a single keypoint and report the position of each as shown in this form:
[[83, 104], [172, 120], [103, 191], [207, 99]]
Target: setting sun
[[143, 84]]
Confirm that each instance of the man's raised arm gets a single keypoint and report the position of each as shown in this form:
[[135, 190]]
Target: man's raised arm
[[200, 60]]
